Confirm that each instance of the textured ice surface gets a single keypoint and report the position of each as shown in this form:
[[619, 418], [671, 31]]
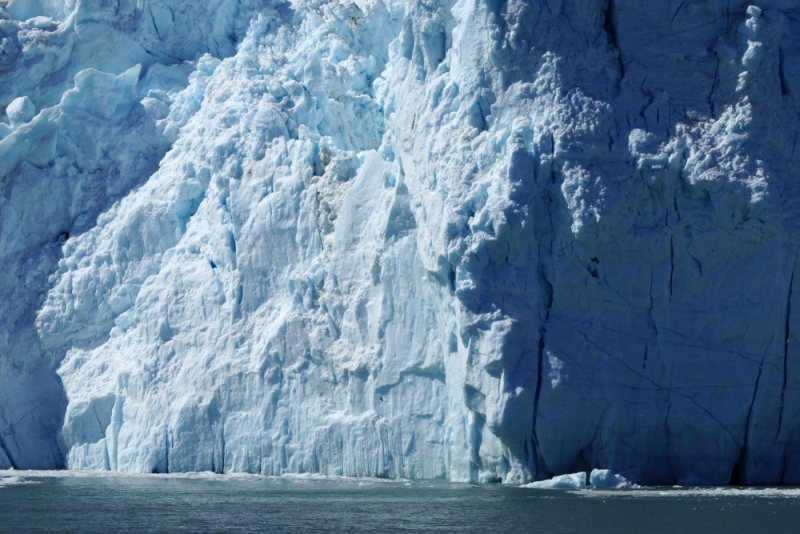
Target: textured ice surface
[[466, 239], [574, 481], [598, 479], [601, 479]]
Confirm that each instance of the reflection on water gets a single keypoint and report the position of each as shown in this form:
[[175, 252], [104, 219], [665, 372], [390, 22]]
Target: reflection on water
[[93, 502]]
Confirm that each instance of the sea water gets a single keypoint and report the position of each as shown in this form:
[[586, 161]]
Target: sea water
[[92, 502]]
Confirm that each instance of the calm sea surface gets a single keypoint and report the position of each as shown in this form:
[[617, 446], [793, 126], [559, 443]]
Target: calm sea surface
[[80, 502]]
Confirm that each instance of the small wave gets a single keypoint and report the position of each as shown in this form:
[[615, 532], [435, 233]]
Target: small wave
[[12, 481]]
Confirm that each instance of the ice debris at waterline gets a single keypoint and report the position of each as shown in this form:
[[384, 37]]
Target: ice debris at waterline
[[462, 239], [599, 479], [12, 481]]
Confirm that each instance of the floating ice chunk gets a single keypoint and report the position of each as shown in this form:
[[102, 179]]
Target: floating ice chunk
[[9, 481], [599, 479], [569, 482], [20, 111], [605, 479]]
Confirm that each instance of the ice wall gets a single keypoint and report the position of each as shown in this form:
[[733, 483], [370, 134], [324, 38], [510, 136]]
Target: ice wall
[[472, 239]]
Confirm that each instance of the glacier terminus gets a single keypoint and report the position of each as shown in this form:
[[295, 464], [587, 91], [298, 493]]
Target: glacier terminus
[[478, 240]]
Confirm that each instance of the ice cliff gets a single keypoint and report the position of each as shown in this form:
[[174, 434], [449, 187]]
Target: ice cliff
[[468, 239]]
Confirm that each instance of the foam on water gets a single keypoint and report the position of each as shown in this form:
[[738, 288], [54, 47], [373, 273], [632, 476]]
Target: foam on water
[[8, 481]]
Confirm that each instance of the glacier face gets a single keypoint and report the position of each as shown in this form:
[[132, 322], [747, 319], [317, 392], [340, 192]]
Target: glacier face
[[466, 239]]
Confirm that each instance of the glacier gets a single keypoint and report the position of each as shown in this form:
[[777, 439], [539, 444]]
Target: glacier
[[466, 239]]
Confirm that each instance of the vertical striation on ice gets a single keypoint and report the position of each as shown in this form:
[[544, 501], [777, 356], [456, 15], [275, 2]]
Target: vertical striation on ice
[[463, 239]]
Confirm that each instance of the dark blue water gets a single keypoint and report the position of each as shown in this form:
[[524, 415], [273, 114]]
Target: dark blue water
[[51, 502]]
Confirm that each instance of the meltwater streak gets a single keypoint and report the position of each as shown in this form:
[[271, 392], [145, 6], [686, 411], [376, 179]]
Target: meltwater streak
[[87, 502]]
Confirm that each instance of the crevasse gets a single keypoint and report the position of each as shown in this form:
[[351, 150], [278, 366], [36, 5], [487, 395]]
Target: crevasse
[[474, 240]]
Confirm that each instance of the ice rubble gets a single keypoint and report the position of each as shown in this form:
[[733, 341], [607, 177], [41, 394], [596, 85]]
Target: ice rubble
[[599, 479], [465, 239]]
